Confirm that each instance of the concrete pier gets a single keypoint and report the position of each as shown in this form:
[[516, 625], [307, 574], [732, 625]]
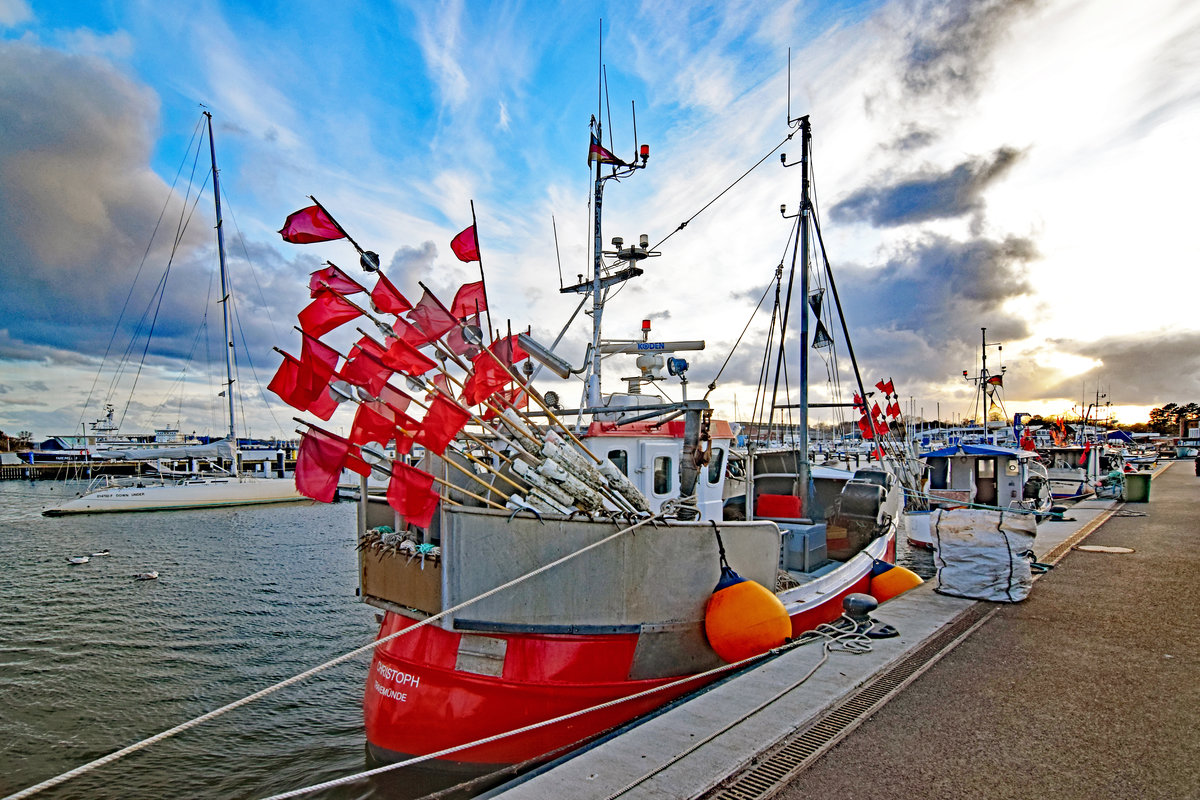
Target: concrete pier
[[1087, 689]]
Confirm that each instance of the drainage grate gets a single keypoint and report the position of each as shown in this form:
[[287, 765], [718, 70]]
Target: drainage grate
[[766, 778]]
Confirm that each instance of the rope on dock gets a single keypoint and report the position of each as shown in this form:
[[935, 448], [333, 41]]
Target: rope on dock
[[133, 748], [836, 639]]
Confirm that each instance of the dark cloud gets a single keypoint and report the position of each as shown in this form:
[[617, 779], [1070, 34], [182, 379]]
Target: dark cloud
[[913, 138], [949, 59], [414, 261], [927, 195], [1146, 370]]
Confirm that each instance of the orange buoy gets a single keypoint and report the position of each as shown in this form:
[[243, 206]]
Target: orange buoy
[[890, 580], [744, 618]]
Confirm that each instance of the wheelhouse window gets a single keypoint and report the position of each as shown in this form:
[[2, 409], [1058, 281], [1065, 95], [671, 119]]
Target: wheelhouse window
[[620, 460], [664, 479], [716, 466]]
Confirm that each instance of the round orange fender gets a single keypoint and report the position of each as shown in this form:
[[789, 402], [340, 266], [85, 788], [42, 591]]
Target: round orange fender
[[890, 580], [744, 618]]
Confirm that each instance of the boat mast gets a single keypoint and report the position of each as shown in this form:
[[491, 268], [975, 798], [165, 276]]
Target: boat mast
[[593, 382], [225, 305], [803, 471]]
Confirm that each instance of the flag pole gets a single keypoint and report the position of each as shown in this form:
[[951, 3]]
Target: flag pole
[[365, 256], [479, 251]]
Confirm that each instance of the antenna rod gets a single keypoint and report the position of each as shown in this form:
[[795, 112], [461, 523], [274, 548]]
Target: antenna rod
[[486, 305]]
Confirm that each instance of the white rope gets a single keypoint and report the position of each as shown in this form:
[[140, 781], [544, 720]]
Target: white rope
[[830, 645], [133, 748]]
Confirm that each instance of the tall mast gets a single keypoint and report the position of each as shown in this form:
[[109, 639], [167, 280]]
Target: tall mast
[[805, 221], [593, 382], [225, 305]]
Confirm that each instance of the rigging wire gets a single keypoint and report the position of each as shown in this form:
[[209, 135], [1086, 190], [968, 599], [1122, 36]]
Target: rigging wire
[[141, 265]]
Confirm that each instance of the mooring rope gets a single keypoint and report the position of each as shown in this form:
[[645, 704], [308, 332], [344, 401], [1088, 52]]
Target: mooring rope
[[144, 743]]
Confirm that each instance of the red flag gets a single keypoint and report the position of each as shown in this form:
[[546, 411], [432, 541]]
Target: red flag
[[310, 225], [325, 403], [858, 403], [403, 357], [411, 493], [465, 246], [291, 383], [864, 425], [881, 426], [326, 312], [364, 369], [516, 397], [893, 410], [431, 317], [319, 357], [319, 464], [509, 350], [876, 412], [442, 422], [387, 298], [373, 422], [889, 387], [410, 333], [468, 300], [333, 278]]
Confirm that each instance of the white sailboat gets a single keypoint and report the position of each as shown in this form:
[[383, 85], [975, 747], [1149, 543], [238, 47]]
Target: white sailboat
[[209, 491]]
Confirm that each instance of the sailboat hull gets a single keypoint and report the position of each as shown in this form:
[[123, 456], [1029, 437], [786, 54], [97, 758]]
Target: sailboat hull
[[196, 493]]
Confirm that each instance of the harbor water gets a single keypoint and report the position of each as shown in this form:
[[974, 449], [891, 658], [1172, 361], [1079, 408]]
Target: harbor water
[[92, 660]]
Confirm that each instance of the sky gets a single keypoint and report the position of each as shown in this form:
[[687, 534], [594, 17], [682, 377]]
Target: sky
[[1024, 166]]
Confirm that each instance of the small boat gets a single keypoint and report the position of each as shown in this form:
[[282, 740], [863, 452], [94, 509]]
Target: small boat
[[979, 475], [78, 559], [101, 553], [146, 576]]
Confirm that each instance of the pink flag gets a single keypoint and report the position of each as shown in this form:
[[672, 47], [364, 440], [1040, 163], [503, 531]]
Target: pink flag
[[465, 246], [333, 278], [431, 316], [310, 225]]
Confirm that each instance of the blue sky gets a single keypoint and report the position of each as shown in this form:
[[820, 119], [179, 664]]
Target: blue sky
[[1025, 166]]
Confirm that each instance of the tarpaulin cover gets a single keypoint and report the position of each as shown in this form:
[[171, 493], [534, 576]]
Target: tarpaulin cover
[[983, 555]]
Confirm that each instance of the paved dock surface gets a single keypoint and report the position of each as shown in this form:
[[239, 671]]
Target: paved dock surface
[[1087, 689]]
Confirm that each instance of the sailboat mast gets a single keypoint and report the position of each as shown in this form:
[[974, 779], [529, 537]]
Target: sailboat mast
[[803, 470], [225, 305]]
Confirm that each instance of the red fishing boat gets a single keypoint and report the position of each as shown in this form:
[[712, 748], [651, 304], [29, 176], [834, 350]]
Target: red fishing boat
[[566, 577]]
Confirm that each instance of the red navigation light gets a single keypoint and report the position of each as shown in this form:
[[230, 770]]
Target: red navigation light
[[964, 373], [645, 152], [645, 324]]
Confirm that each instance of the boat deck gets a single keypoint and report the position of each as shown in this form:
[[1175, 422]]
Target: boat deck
[[1086, 689]]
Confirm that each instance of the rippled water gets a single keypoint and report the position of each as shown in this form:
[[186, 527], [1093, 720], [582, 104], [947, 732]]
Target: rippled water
[[92, 660]]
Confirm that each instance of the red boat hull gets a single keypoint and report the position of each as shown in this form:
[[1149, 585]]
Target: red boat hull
[[419, 702]]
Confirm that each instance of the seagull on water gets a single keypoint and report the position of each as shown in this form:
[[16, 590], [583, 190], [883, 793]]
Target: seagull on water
[[78, 559], [101, 553], [146, 576]]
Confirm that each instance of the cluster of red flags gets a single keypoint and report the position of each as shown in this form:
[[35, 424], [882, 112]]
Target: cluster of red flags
[[875, 422], [381, 415]]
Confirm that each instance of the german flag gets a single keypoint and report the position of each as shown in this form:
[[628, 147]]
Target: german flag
[[597, 153]]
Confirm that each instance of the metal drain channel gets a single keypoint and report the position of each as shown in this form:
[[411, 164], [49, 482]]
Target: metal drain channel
[[793, 755]]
